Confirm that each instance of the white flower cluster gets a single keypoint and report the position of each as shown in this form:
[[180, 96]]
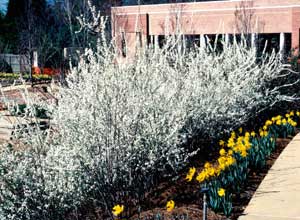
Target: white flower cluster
[[118, 128]]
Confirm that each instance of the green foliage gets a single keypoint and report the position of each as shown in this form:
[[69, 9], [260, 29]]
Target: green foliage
[[20, 110], [14, 76], [235, 176]]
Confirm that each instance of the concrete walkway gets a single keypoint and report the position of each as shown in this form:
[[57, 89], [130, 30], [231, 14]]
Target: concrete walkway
[[7, 124], [15, 87], [278, 196]]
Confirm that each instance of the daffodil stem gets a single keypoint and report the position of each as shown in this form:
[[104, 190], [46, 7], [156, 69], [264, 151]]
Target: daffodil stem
[[204, 207]]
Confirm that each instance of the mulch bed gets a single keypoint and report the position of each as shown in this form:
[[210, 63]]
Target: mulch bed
[[189, 200]]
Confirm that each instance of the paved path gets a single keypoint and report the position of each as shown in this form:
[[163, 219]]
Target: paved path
[[278, 196], [6, 127], [15, 87]]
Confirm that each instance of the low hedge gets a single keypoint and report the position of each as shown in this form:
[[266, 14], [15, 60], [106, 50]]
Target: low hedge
[[14, 76]]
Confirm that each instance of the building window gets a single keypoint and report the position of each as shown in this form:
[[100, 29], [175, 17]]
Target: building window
[[123, 44], [215, 41], [288, 43], [139, 39], [161, 41], [192, 40], [268, 42]]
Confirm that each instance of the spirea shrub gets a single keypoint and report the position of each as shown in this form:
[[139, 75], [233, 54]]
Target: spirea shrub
[[120, 126]]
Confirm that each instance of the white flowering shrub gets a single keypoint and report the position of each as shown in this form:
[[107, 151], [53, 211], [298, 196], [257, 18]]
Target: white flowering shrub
[[119, 127]]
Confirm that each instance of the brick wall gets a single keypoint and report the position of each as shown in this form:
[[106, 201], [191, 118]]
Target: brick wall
[[269, 16], [295, 28]]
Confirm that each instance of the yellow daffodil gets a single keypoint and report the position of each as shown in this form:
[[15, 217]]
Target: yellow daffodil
[[265, 127], [229, 161], [222, 143], [222, 166], [207, 165], [118, 209], [244, 153], [190, 174], [261, 133], [221, 192], [222, 160], [298, 113], [278, 122], [210, 171], [218, 171], [240, 130], [170, 205], [233, 135], [268, 123], [230, 142], [253, 134], [247, 145], [201, 177], [292, 113], [230, 152], [222, 152], [283, 121], [240, 140], [278, 117]]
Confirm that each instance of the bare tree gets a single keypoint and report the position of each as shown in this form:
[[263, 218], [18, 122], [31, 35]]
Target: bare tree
[[247, 23], [245, 17]]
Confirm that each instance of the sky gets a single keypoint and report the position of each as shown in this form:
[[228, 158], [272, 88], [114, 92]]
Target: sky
[[3, 5]]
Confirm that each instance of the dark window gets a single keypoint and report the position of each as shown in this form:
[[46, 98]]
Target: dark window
[[139, 39], [123, 44], [192, 40], [161, 41], [269, 42], [288, 44], [215, 41]]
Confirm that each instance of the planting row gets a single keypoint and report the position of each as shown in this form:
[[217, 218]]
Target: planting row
[[241, 153]]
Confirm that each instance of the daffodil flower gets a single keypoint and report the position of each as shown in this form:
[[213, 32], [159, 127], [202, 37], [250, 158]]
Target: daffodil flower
[[190, 174], [221, 192], [222, 143], [170, 205], [240, 130], [222, 152], [118, 209]]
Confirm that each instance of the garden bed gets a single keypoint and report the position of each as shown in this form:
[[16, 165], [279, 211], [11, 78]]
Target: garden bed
[[189, 202], [8, 79]]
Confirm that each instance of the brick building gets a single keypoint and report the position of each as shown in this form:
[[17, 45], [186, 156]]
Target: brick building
[[276, 22]]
